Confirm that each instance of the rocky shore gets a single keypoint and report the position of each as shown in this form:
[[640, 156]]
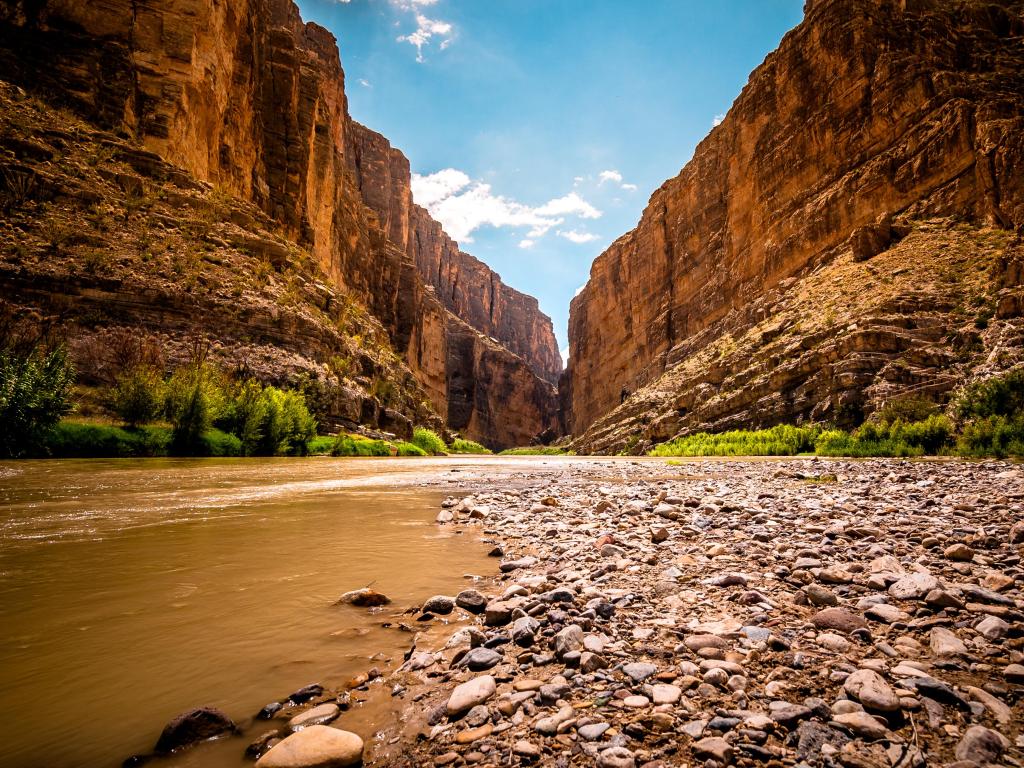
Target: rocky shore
[[733, 613], [710, 613]]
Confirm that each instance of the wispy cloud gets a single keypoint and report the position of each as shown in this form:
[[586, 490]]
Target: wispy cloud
[[364, 82], [463, 205], [614, 177], [718, 120], [577, 237], [427, 29]]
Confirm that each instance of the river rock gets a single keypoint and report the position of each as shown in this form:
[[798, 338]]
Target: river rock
[[192, 727], [714, 748], [945, 643], [639, 671], [316, 716], [318, 746], [479, 659], [364, 598], [914, 586], [442, 605], [862, 724], [870, 689], [569, 639], [469, 694], [471, 600], [981, 745], [524, 631], [838, 619], [616, 757]]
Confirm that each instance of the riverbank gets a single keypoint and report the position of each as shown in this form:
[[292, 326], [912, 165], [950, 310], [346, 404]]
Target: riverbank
[[741, 612]]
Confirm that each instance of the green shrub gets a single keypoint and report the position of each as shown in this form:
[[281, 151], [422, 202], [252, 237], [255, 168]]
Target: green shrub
[[783, 440], [35, 393], [195, 399], [467, 446], [428, 441], [138, 395], [354, 445], [535, 450], [1000, 436], [75, 440], [269, 421], [408, 449], [214, 442], [321, 445], [996, 396]]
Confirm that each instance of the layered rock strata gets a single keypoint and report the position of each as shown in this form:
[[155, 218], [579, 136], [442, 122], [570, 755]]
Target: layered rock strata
[[244, 96], [870, 111]]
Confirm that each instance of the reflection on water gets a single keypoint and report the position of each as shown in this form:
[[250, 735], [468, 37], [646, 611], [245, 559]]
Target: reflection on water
[[133, 590]]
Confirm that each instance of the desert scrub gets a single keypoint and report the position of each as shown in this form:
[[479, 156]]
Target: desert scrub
[[536, 450], [429, 441], [783, 440], [459, 445], [991, 413]]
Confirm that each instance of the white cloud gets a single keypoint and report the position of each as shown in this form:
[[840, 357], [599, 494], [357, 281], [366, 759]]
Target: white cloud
[[718, 120], [579, 290], [363, 81], [577, 237], [463, 206], [426, 28], [629, 187], [564, 353], [610, 176]]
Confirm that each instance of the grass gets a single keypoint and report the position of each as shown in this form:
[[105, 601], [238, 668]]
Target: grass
[[783, 440], [408, 449], [321, 445], [428, 441], [536, 450], [467, 446], [357, 445]]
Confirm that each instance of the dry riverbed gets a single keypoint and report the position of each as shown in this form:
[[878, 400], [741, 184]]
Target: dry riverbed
[[713, 613]]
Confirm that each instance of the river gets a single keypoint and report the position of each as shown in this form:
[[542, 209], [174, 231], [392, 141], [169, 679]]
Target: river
[[132, 590]]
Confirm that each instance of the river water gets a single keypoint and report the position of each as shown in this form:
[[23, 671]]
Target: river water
[[132, 590]]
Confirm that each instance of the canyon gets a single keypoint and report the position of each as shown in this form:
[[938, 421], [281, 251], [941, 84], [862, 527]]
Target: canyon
[[235, 114], [844, 237]]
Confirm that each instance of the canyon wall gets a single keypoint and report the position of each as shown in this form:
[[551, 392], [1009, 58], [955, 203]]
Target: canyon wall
[[870, 116], [465, 285], [244, 96]]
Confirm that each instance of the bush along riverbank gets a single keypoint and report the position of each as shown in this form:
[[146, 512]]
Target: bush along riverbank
[[985, 419], [195, 410]]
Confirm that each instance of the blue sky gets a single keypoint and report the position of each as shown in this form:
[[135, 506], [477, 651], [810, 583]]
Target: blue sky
[[537, 129]]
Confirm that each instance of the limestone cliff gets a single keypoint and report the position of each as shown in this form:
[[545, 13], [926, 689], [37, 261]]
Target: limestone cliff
[[871, 119], [245, 98]]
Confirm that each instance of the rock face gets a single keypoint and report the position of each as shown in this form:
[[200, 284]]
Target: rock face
[[244, 96], [826, 159]]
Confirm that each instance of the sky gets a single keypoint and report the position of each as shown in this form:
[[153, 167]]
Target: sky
[[538, 129]]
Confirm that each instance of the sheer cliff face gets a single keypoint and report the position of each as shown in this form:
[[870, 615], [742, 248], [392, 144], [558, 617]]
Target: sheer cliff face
[[244, 95], [868, 108], [466, 286]]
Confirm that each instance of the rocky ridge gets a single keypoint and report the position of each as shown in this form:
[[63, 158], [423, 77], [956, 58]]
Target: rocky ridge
[[245, 98], [824, 157]]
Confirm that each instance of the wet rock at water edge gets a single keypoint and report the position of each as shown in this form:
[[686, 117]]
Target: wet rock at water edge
[[318, 746], [441, 605], [471, 600], [469, 694], [364, 598], [192, 727]]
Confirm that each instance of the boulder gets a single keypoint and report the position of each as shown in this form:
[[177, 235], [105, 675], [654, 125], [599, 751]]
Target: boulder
[[318, 746]]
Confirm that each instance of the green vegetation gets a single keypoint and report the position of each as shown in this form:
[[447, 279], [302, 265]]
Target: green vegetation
[[408, 449], [466, 446], [321, 445], [71, 439], [428, 441], [357, 445], [138, 395], [268, 421], [536, 450], [986, 419], [35, 391], [778, 441]]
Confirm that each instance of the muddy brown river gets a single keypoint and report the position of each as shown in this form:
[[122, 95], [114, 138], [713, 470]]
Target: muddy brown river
[[131, 590]]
